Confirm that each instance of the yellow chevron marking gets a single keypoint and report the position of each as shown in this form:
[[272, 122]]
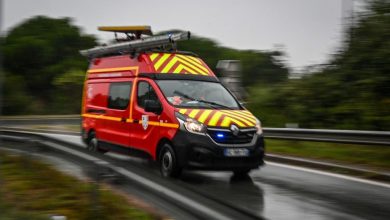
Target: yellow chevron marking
[[195, 59], [193, 113], [182, 67], [245, 113], [200, 66], [204, 115], [239, 117], [244, 122], [239, 123], [182, 111], [169, 65], [215, 119], [203, 72], [226, 122], [153, 56], [161, 61], [191, 65], [184, 63]]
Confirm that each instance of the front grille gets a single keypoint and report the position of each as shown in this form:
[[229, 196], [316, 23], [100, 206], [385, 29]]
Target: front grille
[[227, 137]]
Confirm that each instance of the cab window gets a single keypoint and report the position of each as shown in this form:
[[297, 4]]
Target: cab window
[[119, 95], [145, 92]]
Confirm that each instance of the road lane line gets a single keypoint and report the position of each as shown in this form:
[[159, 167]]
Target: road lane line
[[329, 174]]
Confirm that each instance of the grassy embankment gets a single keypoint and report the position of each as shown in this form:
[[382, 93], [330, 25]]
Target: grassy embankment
[[33, 190], [376, 157]]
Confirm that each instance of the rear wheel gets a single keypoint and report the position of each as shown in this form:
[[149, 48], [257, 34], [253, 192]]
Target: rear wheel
[[168, 162], [93, 143]]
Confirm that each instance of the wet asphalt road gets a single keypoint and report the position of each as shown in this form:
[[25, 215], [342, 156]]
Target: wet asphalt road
[[279, 191]]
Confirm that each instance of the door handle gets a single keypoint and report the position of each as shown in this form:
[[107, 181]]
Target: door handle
[[97, 111], [123, 120]]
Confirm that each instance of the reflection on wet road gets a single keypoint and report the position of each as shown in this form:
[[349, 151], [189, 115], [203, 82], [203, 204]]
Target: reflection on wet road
[[284, 192], [224, 188], [262, 199]]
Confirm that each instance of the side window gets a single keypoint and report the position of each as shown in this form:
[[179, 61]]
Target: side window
[[119, 95], [145, 92]]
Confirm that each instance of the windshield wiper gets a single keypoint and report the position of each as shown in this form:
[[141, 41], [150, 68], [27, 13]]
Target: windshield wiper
[[184, 95], [200, 100], [215, 104]]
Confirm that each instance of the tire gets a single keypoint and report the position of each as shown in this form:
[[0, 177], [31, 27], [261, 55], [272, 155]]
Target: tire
[[168, 162], [93, 143], [241, 173]]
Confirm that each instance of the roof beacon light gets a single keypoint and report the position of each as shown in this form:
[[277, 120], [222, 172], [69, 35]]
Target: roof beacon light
[[145, 30]]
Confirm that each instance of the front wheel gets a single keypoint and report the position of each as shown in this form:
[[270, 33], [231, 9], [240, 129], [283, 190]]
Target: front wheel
[[168, 162], [241, 173]]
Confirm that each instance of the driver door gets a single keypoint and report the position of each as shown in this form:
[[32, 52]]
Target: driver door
[[146, 130]]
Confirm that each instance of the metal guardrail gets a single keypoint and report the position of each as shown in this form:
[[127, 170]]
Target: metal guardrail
[[325, 135], [299, 134]]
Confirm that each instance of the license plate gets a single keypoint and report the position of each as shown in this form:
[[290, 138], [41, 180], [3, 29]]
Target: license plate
[[236, 152]]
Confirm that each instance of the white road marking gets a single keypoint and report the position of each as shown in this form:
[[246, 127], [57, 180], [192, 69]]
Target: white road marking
[[329, 174]]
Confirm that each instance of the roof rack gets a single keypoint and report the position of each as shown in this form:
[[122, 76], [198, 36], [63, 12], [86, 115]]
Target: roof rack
[[133, 47]]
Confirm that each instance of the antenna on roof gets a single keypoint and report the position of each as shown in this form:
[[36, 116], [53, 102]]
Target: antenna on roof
[[138, 44]]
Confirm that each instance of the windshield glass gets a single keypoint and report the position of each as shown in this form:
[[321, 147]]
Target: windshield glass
[[197, 94]]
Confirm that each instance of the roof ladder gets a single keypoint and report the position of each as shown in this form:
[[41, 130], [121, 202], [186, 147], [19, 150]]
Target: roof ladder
[[133, 47]]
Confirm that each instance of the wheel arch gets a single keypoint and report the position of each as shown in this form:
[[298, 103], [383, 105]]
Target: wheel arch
[[160, 144]]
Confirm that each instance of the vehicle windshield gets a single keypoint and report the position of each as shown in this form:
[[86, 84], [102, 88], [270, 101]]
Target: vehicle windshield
[[197, 94]]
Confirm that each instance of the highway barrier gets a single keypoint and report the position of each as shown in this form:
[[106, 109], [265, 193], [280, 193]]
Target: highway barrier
[[299, 134]]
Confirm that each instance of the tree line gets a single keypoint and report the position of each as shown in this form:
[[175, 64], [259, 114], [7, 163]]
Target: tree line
[[352, 91], [44, 74]]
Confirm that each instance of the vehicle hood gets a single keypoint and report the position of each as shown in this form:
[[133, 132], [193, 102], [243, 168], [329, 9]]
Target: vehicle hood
[[221, 118]]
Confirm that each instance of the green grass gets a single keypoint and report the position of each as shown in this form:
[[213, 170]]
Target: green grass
[[33, 190], [370, 156]]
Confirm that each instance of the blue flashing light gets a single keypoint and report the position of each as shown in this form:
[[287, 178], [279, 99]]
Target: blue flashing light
[[220, 135]]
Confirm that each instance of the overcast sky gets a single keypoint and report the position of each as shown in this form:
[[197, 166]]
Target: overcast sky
[[309, 30]]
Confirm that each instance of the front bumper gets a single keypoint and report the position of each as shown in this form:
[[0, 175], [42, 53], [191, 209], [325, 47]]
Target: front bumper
[[200, 152]]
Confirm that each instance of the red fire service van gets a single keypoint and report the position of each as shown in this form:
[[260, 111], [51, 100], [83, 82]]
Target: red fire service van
[[143, 97]]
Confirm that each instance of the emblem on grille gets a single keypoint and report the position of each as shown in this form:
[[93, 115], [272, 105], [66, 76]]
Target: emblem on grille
[[235, 130]]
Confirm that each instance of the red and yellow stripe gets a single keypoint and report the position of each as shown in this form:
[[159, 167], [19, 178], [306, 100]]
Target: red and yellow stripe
[[109, 118], [178, 63], [221, 118]]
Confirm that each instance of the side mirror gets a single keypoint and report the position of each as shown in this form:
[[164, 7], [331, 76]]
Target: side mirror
[[153, 106]]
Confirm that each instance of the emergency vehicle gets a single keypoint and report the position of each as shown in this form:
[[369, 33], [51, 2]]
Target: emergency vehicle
[[143, 97]]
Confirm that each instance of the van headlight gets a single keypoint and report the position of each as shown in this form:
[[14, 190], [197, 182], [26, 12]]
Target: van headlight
[[259, 129], [191, 124]]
